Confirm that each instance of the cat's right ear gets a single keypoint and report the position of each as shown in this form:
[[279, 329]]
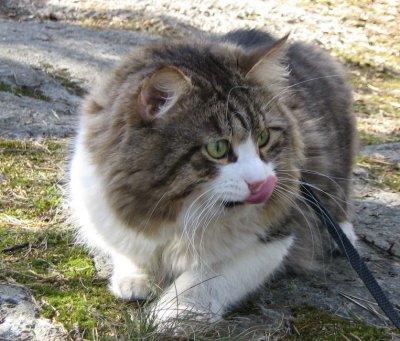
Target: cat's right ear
[[161, 91], [263, 64]]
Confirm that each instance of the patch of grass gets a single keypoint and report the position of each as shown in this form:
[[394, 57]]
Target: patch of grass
[[376, 105], [61, 278], [372, 56], [382, 173], [24, 91], [373, 41], [30, 174], [313, 324], [64, 77], [36, 247]]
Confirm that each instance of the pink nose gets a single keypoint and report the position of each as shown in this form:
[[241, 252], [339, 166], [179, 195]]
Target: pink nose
[[254, 187]]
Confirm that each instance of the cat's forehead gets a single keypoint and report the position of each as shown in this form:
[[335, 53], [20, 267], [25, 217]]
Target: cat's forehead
[[238, 114]]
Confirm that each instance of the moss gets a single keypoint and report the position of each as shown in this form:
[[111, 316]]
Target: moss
[[311, 323], [61, 277], [24, 91]]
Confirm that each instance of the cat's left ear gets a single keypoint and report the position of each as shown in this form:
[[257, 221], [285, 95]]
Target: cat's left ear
[[264, 63], [161, 91]]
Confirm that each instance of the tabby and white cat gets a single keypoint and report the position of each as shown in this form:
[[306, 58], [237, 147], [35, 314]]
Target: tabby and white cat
[[188, 160]]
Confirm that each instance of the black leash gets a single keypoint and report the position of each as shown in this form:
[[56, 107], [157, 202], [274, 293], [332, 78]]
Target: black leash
[[351, 253]]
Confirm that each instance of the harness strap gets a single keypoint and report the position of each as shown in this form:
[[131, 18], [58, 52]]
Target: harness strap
[[351, 253]]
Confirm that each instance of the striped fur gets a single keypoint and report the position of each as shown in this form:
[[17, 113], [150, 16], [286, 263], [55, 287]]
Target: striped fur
[[144, 190]]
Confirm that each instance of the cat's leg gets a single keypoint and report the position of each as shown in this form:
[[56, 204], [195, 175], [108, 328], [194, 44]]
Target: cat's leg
[[128, 281], [208, 294]]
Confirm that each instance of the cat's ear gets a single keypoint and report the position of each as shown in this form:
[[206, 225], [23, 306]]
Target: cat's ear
[[264, 63], [161, 91]]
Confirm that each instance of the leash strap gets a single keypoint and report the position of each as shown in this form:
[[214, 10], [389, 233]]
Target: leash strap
[[351, 253]]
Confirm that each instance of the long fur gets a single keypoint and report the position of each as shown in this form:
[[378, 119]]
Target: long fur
[[144, 190]]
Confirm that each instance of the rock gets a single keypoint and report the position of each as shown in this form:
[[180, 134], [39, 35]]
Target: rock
[[42, 67], [103, 265], [20, 318], [388, 151], [360, 171]]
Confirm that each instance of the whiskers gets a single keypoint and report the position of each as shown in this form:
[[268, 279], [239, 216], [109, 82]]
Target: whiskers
[[336, 199], [286, 188], [201, 213]]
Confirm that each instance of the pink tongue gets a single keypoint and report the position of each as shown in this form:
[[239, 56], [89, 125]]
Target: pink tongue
[[264, 192]]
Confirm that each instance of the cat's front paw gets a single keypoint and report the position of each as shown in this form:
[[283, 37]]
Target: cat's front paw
[[132, 287]]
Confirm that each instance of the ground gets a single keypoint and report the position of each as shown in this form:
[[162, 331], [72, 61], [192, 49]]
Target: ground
[[51, 52]]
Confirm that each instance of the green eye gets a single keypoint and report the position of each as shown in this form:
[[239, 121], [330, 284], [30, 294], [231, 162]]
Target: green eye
[[218, 149], [263, 138]]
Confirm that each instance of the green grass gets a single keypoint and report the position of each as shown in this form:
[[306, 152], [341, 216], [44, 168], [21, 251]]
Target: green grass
[[37, 247], [30, 180], [62, 279]]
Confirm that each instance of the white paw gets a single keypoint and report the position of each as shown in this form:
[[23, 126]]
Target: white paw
[[133, 287]]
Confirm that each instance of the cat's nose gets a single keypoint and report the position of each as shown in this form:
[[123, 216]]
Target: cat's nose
[[254, 187]]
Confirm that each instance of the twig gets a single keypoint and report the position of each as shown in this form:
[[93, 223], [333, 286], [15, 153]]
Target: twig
[[368, 307]]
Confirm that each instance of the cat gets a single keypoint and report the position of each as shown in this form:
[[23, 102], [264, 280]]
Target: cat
[[188, 160]]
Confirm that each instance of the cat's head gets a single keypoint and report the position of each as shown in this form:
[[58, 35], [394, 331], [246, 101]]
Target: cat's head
[[195, 127]]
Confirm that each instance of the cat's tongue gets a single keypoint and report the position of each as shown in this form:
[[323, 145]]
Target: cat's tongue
[[264, 192]]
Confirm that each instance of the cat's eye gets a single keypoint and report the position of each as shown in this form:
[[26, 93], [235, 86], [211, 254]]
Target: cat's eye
[[218, 149], [263, 138]]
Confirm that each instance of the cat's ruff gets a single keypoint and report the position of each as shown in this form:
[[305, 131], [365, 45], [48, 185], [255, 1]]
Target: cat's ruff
[[188, 161]]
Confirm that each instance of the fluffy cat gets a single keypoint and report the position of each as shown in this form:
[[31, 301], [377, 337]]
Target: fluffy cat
[[187, 164]]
